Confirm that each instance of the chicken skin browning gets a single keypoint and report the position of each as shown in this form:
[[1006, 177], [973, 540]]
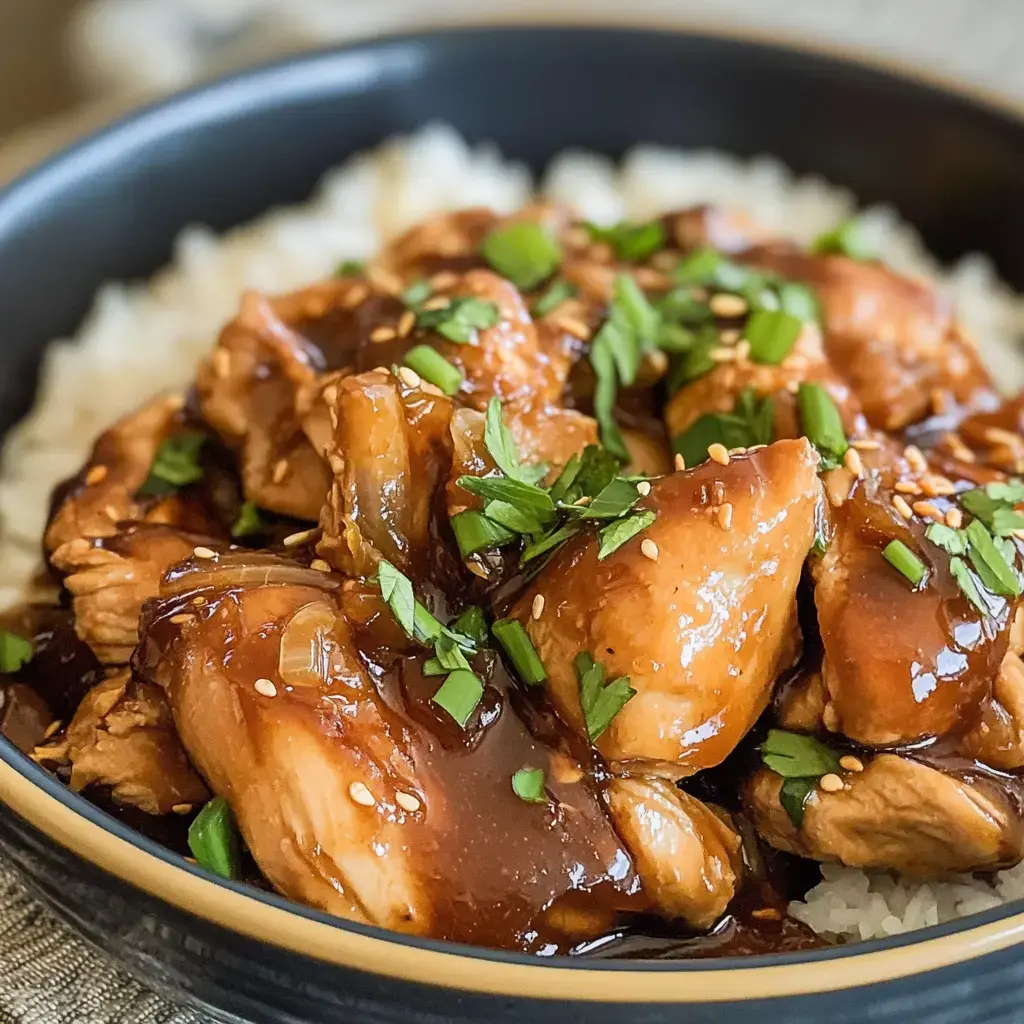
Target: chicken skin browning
[[704, 628], [531, 583]]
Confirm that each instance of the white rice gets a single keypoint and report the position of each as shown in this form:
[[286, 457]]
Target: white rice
[[140, 339]]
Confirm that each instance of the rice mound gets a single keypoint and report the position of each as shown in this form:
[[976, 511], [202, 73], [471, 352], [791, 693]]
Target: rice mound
[[143, 338]]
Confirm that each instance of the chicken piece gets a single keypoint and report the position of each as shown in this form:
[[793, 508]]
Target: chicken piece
[[717, 390], [105, 492], [390, 452], [705, 626], [898, 814], [800, 703], [688, 857], [248, 389], [997, 738], [649, 455], [891, 338], [109, 579], [122, 736], [901, 664], [728, 231], [301, 702]]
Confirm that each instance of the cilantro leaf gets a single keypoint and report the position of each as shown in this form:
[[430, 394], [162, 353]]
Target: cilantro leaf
[[600, 702], [617, 533]]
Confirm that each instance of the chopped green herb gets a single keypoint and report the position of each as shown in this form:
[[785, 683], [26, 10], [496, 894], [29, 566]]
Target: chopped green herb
[[248, 522], [969, 586], [751, 422], [524, 252], [675, 339], [526, 497], [696, 361], [432, 366], [472, 623], [598, 468], [512, 518], [459, 695], [793, 796], [557, 292], [448, 654], [771, 333], [799, 301], [433, 667], [953, 542], [699, 268], [475, 532], [528, 785], [631, 242], [350, 268], [849, 239], [176, 464], [416, 294], [15, 651], [519, 647], [213, 839], [617, 533], [615, 500], [901, 558], [990, 562], [681, 306], [1011, 491], [996, 511], [566, 480], [796, 756], [502, 447], [396, 589], [599, 702], [822, 424], [460, 320], [603, 362], [549, 541]]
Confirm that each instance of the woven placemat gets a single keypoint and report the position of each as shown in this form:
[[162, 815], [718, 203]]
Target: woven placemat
[[48, 975]]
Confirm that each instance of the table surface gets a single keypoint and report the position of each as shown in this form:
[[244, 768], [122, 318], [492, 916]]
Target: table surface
[[47, 974]]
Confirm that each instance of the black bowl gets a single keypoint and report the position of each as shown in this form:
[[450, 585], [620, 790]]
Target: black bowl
[[110, 207]]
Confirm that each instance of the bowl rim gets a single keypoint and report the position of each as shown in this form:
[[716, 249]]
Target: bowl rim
[[71, 821]]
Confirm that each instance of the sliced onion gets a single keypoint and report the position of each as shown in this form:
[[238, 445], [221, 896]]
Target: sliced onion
[[306, 645], [242, 570]]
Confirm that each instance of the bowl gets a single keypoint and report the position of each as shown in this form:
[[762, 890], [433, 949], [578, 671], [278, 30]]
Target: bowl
[[110, 207]]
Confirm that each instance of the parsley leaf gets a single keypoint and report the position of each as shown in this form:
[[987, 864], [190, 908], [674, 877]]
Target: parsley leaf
[[249, 521], [794, 755], [528, 785], [396, 589], [176, 464], [503, 449], [15, 651], [990, 561], [600, 702], [460, 320], [631, 242], [617, 533], [751, 422]]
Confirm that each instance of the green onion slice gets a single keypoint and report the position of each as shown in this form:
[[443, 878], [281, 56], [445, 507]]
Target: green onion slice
[[213, 839], [432, 366], [901, 558], [460, 320], [459, 695], [990, 561], [517, 644], [524, 252], [15, 651], [822, 424], [772, 334], [849, 239], [631, 242], [528, 785], [248, 522], [176, 464], [557, 292], [472, 623]]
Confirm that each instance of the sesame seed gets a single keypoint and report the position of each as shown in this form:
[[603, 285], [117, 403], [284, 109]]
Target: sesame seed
[[95, 475], [727, 305], [928, 511], [537, 608], [202, 552], [431, 389], [851, 460], [301, 537], [280, 471], [443, 279], [830, 717], [437, 302], [406, 322], [182, 808], [900, 504], [584, 500], [908, 487], [383, 333], [320, 565], [384, 281], [725, 516], [265, 687], [410, 378], [52, 728], [199, 601], [866, 445], [649, 549], [766, 914], [643, 488], [954, 518], [680, 463], [657, 361], [574, 326], [182, 617], [742, 351], [723, 355], [851, 763], [830, 783], [407, 802], [719, 453], [936, 485], [357, 294], [361, 795], [729, 336], [917, 461], [997, 435]]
